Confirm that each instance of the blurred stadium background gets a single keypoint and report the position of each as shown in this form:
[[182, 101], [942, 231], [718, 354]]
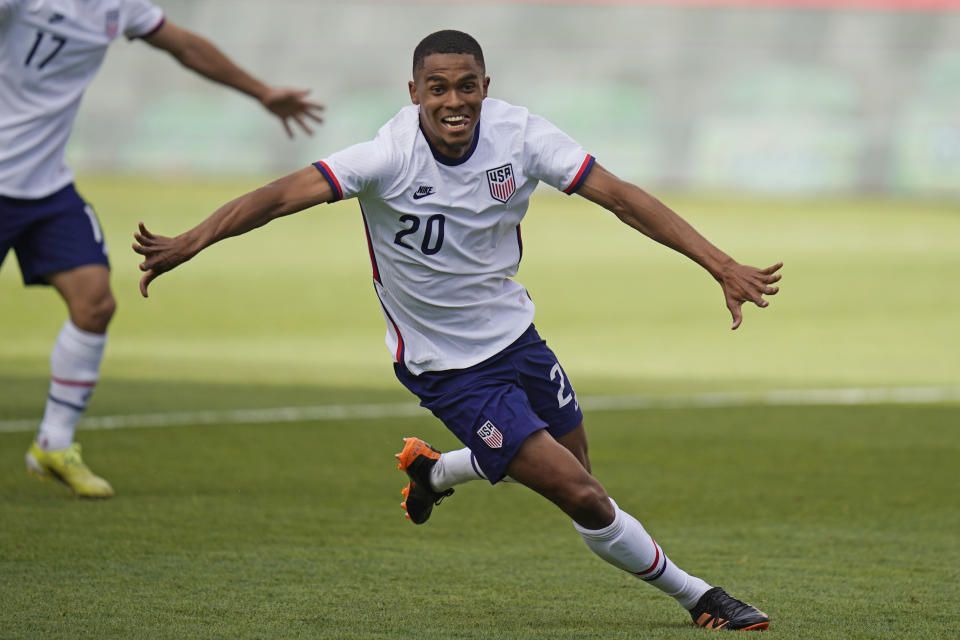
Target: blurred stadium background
[[824, 134], [778, 96]]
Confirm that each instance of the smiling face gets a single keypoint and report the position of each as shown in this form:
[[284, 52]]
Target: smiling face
[[450, 88]]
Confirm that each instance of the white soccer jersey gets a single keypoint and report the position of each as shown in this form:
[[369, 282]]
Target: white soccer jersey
[[49, 52], [444, 233]]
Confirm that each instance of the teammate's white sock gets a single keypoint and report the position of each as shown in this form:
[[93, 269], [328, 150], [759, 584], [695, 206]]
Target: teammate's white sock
[[625, 544], [74, 371], [455, 467]]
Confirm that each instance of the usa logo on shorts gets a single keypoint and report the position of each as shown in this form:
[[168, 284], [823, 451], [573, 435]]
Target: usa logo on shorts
[[490, 435], [501, 182]]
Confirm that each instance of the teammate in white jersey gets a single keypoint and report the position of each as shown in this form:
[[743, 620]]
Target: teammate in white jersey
[[50, 50], [442, 190]]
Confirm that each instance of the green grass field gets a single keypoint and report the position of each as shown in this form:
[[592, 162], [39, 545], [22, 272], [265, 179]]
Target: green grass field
[[840, 521]]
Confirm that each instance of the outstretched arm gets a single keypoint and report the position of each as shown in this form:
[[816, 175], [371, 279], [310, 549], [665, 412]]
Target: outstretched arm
[[290, 194], [201, 55], [643, 212]]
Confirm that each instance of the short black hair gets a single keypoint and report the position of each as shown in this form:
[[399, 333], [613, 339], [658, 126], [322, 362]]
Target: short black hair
[[447, 41]]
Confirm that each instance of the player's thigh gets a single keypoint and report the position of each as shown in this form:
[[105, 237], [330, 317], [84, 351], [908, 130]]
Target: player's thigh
[[576, 443], [493, 419], [548, 387], [550, 469], [16, 217], [63, 234], [483, 407], [545, 465], [86, 290], [82, 284]]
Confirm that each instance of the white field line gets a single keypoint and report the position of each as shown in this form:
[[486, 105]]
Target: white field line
[[782, 397]]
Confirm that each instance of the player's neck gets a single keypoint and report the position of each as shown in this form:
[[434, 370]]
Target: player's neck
[[451, 155]]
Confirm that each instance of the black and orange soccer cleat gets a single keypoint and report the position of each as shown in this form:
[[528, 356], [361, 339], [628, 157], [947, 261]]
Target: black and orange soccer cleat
[[718, 610], [417, 460]]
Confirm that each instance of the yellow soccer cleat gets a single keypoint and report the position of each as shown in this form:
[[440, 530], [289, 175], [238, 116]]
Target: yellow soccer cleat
[[67, 466]]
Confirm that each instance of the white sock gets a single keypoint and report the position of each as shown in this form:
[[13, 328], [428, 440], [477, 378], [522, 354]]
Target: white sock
[[625, 544], [455, 467], [74, 371]]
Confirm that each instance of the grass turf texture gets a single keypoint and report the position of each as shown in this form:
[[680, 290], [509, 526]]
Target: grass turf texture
[[838, 521]]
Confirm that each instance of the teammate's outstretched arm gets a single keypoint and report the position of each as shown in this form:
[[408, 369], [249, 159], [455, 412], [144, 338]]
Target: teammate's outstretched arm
[[643, 212], [290, 194], [201, 55]]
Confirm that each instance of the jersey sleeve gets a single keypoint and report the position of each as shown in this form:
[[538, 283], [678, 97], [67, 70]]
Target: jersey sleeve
[[365, 168], [553, 157], [141, 18]]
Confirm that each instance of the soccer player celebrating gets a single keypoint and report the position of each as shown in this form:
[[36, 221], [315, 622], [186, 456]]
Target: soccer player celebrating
[[442, 191], [49, 53]]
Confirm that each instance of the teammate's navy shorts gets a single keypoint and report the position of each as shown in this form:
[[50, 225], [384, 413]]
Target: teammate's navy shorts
[[493, 406], [52, 234]]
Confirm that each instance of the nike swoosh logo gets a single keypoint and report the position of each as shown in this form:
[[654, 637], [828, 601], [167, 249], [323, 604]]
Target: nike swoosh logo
[[419, 195]]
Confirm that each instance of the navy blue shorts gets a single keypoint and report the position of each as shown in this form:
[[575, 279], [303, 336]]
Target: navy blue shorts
[[52, 234], [493, 406]]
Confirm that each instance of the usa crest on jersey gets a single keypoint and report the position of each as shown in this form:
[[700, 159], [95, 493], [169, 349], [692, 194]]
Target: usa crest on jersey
[[502, 184], [113, 23]]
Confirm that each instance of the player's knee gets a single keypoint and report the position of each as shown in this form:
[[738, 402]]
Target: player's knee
[[94, 314], [590, 506]]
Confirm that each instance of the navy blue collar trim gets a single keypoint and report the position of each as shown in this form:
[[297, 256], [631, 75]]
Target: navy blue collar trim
[[445, 159]]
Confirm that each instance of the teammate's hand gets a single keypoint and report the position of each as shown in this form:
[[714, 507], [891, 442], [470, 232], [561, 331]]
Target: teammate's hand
[[162, 254], [742, 283], [289, 104]]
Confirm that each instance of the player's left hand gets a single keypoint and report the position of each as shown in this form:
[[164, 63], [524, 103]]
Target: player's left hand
[[161, 255], [291, 104], [742, 283]]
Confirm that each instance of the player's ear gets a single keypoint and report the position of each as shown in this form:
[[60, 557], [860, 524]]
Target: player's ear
[[414, 98], [486, 85]]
